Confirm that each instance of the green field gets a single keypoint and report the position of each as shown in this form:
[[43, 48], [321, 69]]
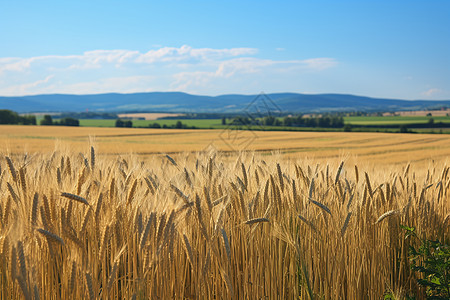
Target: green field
[[97, 123], [212, 123], [354, 121], [369, 120]]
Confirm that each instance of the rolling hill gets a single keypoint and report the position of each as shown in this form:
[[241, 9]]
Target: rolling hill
[[183, 102]]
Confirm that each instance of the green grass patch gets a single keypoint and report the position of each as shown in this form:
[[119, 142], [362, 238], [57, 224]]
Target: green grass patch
[[97, 123], [391, 120], [354, 121], [211, 123], [199, 123]]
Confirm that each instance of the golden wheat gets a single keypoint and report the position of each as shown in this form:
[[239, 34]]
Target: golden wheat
[[212, 225]]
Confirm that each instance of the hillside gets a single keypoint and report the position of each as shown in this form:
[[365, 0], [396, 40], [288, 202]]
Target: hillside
[[183, 102]]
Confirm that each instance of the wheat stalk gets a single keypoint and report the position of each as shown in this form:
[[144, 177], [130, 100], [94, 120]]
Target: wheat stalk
[[36, 292], [179, 193], [13, 263], [104, 241], [112, 276], [68, 169], [24, 288], [244, 174], [346, 222], [51, 237], [311, 225], [227, 244], [12, 193], [46, 209], [146, 232], [132, 192], [58, 177], [23, 180], [89, 285], [187, 177], [11, 168], [338, 173], [75, 198], [387, 214], [81, 179], [7, 211], [172, 161], [162, 223], [280, 176], [321, 205], [21, 255], [311, 189], [256, 220], [92, 158], [188, 250], [73, 274], [369, 186]]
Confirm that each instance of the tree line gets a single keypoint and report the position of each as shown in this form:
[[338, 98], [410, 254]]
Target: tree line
[[48, 120], [325, 121], [13, 118]]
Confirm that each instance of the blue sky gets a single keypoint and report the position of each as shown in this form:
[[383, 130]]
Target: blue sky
[[390, 49]]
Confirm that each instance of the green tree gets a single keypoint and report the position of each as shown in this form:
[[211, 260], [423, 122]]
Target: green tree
[[47, 120], [403, 128], [27, 120], [269, 121], [122, 123], [8, 117], [69, 122], [287, 121]]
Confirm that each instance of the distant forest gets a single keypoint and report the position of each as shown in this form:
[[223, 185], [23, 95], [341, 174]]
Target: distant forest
[[325, 121], [11, 117]]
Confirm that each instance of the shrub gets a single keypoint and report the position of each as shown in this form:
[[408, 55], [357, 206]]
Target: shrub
[[122, 123], [403, 128], [432, 259], [69, 122]]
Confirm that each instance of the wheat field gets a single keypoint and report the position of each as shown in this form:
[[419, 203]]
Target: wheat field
[[376, 148], [212, 225]]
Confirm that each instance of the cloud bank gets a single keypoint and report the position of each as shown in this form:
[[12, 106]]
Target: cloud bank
[[194, 70]]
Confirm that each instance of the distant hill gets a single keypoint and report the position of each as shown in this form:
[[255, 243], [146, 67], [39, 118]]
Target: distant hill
[[183, 102]]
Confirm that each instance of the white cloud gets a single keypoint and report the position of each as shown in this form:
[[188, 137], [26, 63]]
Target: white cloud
[[14, 64], [130, 84], [98, 58], [320, 64], [183, 68], [431, 92], [187, 81], [238, 67], [242, 65], [171, 54], [38, 86]]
